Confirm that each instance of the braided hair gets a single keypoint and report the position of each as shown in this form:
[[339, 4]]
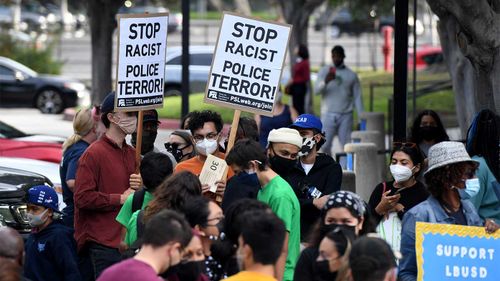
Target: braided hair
[[483, 139]]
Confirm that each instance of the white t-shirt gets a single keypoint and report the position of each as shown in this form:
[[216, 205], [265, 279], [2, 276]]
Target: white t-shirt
[[307, 167]]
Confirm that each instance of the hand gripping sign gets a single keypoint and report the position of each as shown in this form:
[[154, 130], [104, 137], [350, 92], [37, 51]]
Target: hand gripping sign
[[455, 252], [247, 64], [142, 40]]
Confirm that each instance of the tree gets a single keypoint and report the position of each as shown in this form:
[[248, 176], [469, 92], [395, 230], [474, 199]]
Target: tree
[[102, 21], [470, 38]]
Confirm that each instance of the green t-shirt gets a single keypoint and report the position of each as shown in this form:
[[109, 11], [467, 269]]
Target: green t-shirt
[[279, 195], [125, 215]]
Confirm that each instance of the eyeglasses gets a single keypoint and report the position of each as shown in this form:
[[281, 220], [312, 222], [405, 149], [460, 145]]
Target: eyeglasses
[[404, 144], [175, 146], [210, 137]]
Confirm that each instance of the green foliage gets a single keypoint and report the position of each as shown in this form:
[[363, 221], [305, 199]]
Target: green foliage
[[40, 60]]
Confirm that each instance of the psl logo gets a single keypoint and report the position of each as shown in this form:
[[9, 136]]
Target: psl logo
[[121, 103], [212, 94]]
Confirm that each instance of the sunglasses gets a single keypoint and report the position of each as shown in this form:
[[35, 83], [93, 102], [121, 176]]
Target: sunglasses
[[174, 146], [404, 144]]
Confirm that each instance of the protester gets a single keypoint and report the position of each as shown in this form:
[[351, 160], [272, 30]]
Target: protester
[[482, 146], [192, 266], [155, 168], [234, 221], [207, 219], [301, 74], [247, 129], [150, 125], [184, 124], [389, 201], [260, 245], [104, 179], [316, 175], [332, 262], [180, 145], [11, 245], [50, 248], [343, 209], [341, 92], [427, 130], [166, 234], [171, 194], [372, 259], [451, 171], [205, 127], [275, 191], [242, 185], [100, 129], [84, 128], [9, 270], [283, 149], [283, 116]]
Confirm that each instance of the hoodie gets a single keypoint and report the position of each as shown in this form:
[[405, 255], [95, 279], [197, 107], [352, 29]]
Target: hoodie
[[51, 254]]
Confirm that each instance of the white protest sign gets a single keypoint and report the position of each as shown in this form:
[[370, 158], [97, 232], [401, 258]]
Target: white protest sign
[[142, 41], [247, 65]]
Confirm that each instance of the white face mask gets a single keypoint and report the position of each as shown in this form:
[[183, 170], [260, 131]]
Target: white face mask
[[472, 187], [401, 173], [127, 124], [307, 146], [206, 147], [37, 220]]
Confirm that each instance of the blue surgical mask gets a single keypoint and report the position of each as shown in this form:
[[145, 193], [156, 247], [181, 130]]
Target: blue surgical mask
[[472, 187]]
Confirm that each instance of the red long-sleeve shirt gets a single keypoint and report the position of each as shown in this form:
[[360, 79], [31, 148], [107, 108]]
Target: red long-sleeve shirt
[[103, 175], [301, 72]]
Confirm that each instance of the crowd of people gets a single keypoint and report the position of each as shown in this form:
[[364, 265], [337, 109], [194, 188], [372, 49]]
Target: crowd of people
[[280, 214]]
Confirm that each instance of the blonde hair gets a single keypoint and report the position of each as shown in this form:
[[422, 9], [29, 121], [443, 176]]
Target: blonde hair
[[82, 125]]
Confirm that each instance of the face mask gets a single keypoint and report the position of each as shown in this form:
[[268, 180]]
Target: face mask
[[401, 173], [148, 141], [307, 146], [472, 187], [36, 220], [191, 271], [429, 133], [206, 147], [127, 124], [323, 270], [281, 165], [326, 228]]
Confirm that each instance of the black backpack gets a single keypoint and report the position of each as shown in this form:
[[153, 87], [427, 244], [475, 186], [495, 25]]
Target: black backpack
[[138, 199]]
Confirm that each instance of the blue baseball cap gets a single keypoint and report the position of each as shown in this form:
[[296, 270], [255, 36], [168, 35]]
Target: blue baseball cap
[[44, 196], [307, 121], [108, 104]]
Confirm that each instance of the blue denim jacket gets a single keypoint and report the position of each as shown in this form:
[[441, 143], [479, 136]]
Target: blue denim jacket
[[428, 211]]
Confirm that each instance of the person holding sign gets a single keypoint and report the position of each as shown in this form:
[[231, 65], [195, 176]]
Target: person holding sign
[[205, 127], [105, 178], [247, 155], [451, 170]]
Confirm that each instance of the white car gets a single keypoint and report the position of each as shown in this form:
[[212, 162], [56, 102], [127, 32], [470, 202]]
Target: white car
[[200, 58], [9, 132]]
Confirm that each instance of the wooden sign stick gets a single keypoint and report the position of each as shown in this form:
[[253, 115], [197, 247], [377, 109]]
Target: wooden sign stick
[[138, 141]]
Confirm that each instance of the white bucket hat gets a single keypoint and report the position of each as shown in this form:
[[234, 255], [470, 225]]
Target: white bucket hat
[[285, 135], [445, 153]]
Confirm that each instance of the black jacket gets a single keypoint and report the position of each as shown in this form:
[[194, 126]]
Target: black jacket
[[325, 175], [239, 187]]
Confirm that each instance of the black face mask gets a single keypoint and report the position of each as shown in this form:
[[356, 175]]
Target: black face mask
[[148, 141], [191, 271], [176, 151], [325, 228], [281, 165], [429, 133], [323, 271]]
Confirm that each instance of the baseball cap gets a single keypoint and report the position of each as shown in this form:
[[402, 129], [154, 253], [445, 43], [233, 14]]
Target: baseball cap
[[45, 196], [285, 135], [307, 121], [150, 116], [108, 104]]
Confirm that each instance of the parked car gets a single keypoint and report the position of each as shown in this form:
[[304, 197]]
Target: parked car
[[51, 152], [200, 59], [9, 132], [426, 56], [345, 23], [14, 184], [22, 86]]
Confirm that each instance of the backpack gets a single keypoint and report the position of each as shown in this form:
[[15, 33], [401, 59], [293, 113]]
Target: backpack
[[138, 200]]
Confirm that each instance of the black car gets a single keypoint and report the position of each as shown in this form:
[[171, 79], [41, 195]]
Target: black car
[[14, 185], [345, 23], [22, 86]]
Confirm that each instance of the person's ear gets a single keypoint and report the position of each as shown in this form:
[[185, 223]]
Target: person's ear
[[110, 117], [247, 252], [416, 169]]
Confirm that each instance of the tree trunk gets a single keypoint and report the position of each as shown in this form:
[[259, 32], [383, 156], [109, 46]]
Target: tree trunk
[[471, 45], [102, 15], [243, 7]]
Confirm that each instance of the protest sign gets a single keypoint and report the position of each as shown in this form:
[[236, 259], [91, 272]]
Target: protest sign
[[213, 170], [142, 41], [247, 65], [456, 252]]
